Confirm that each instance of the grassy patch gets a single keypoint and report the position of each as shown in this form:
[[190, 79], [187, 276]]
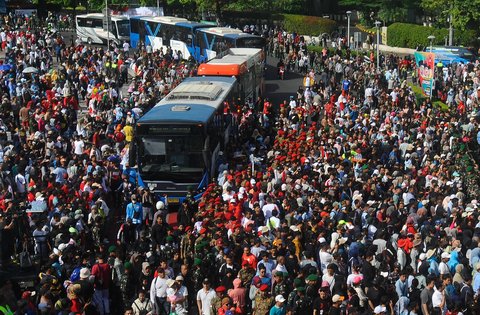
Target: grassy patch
[[421, 97]]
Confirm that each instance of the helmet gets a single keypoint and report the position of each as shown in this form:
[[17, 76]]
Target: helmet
[[160, 205]]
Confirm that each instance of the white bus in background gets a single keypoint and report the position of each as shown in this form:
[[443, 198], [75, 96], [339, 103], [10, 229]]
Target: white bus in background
[[90, 29]]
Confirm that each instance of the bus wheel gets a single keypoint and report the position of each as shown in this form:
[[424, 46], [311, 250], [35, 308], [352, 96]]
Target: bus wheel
[[89, 41]]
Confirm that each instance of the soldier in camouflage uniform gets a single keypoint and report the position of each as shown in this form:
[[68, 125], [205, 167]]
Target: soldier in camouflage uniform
[[246, 274], [297, 283], [198, 275], [301, 303], [280, 286], [263, 301], [216, 302]]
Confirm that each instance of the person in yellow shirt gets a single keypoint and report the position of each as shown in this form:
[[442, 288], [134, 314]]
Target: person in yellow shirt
[[128, 131]]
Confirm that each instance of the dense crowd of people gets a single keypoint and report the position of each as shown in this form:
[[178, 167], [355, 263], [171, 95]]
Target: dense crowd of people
[[362, 200]]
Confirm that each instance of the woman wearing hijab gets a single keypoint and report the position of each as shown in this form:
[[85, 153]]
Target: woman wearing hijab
[[237, 294]]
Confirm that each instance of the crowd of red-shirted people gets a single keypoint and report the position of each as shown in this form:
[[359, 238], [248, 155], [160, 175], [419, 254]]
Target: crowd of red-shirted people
[[350, 197]]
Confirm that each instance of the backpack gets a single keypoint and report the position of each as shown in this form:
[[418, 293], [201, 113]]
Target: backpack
[[142, 311]]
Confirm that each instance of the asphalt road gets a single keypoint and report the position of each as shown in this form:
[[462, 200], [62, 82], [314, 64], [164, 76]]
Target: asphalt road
[[279, 90]]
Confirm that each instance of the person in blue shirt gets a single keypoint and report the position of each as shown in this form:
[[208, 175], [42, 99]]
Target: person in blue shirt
[[279, 307], [134, 212]]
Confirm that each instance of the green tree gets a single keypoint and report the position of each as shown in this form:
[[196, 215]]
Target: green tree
[[465, 14], [388, 11]]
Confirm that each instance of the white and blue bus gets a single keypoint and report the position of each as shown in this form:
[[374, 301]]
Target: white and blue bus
[[161, 32], [90, 29], [178, 141], [199, 40], [215, 40]]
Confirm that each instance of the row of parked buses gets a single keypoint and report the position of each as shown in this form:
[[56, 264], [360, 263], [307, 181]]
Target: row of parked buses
[[198, 40], [177, 143]]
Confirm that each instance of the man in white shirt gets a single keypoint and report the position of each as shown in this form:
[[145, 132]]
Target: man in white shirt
[[158, 293], [20, 181], [126, 48], [325, 257], [204, 298], [438, 298], [268, 208], [442, 266], [78, 146]]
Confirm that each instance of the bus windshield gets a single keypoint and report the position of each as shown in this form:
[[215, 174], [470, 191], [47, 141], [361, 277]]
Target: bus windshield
[[177, 156], [251, 42], [123, 28]]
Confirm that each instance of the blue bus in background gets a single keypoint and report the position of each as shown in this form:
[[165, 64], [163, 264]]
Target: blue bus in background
[[161, 32], [198, 40], [177, 142], [211, 41], [451, 54]]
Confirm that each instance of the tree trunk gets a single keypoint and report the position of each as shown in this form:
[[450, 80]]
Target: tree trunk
[[218, 11]]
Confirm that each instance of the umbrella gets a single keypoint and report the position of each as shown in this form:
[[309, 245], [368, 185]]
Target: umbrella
[[5, 67], [30, 70]]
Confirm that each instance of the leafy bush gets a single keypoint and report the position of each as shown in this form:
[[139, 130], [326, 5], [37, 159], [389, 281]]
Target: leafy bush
[[308, 25], [412, 35]]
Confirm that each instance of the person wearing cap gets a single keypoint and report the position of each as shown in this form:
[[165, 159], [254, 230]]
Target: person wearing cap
[[176, 298], [311, 290], [86, 284], [216, 302], [127, 281], [443, 265], [263, 301], [301, 303], [279, 307], [204, 298], [246, 274]]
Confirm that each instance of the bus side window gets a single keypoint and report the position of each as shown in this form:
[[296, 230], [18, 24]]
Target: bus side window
[[97, 23], [81, 22]]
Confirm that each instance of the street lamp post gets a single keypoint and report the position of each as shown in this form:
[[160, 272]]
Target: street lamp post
[[377, 25], [108, 24], [431, 38], [348, 28], [450, 31]]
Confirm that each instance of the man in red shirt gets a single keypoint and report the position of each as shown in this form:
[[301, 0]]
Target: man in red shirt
[[103, 275], [249, 258]]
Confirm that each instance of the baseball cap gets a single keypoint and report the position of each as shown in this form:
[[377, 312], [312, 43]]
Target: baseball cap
[[380, 309], [279, 298], [336, 298]]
